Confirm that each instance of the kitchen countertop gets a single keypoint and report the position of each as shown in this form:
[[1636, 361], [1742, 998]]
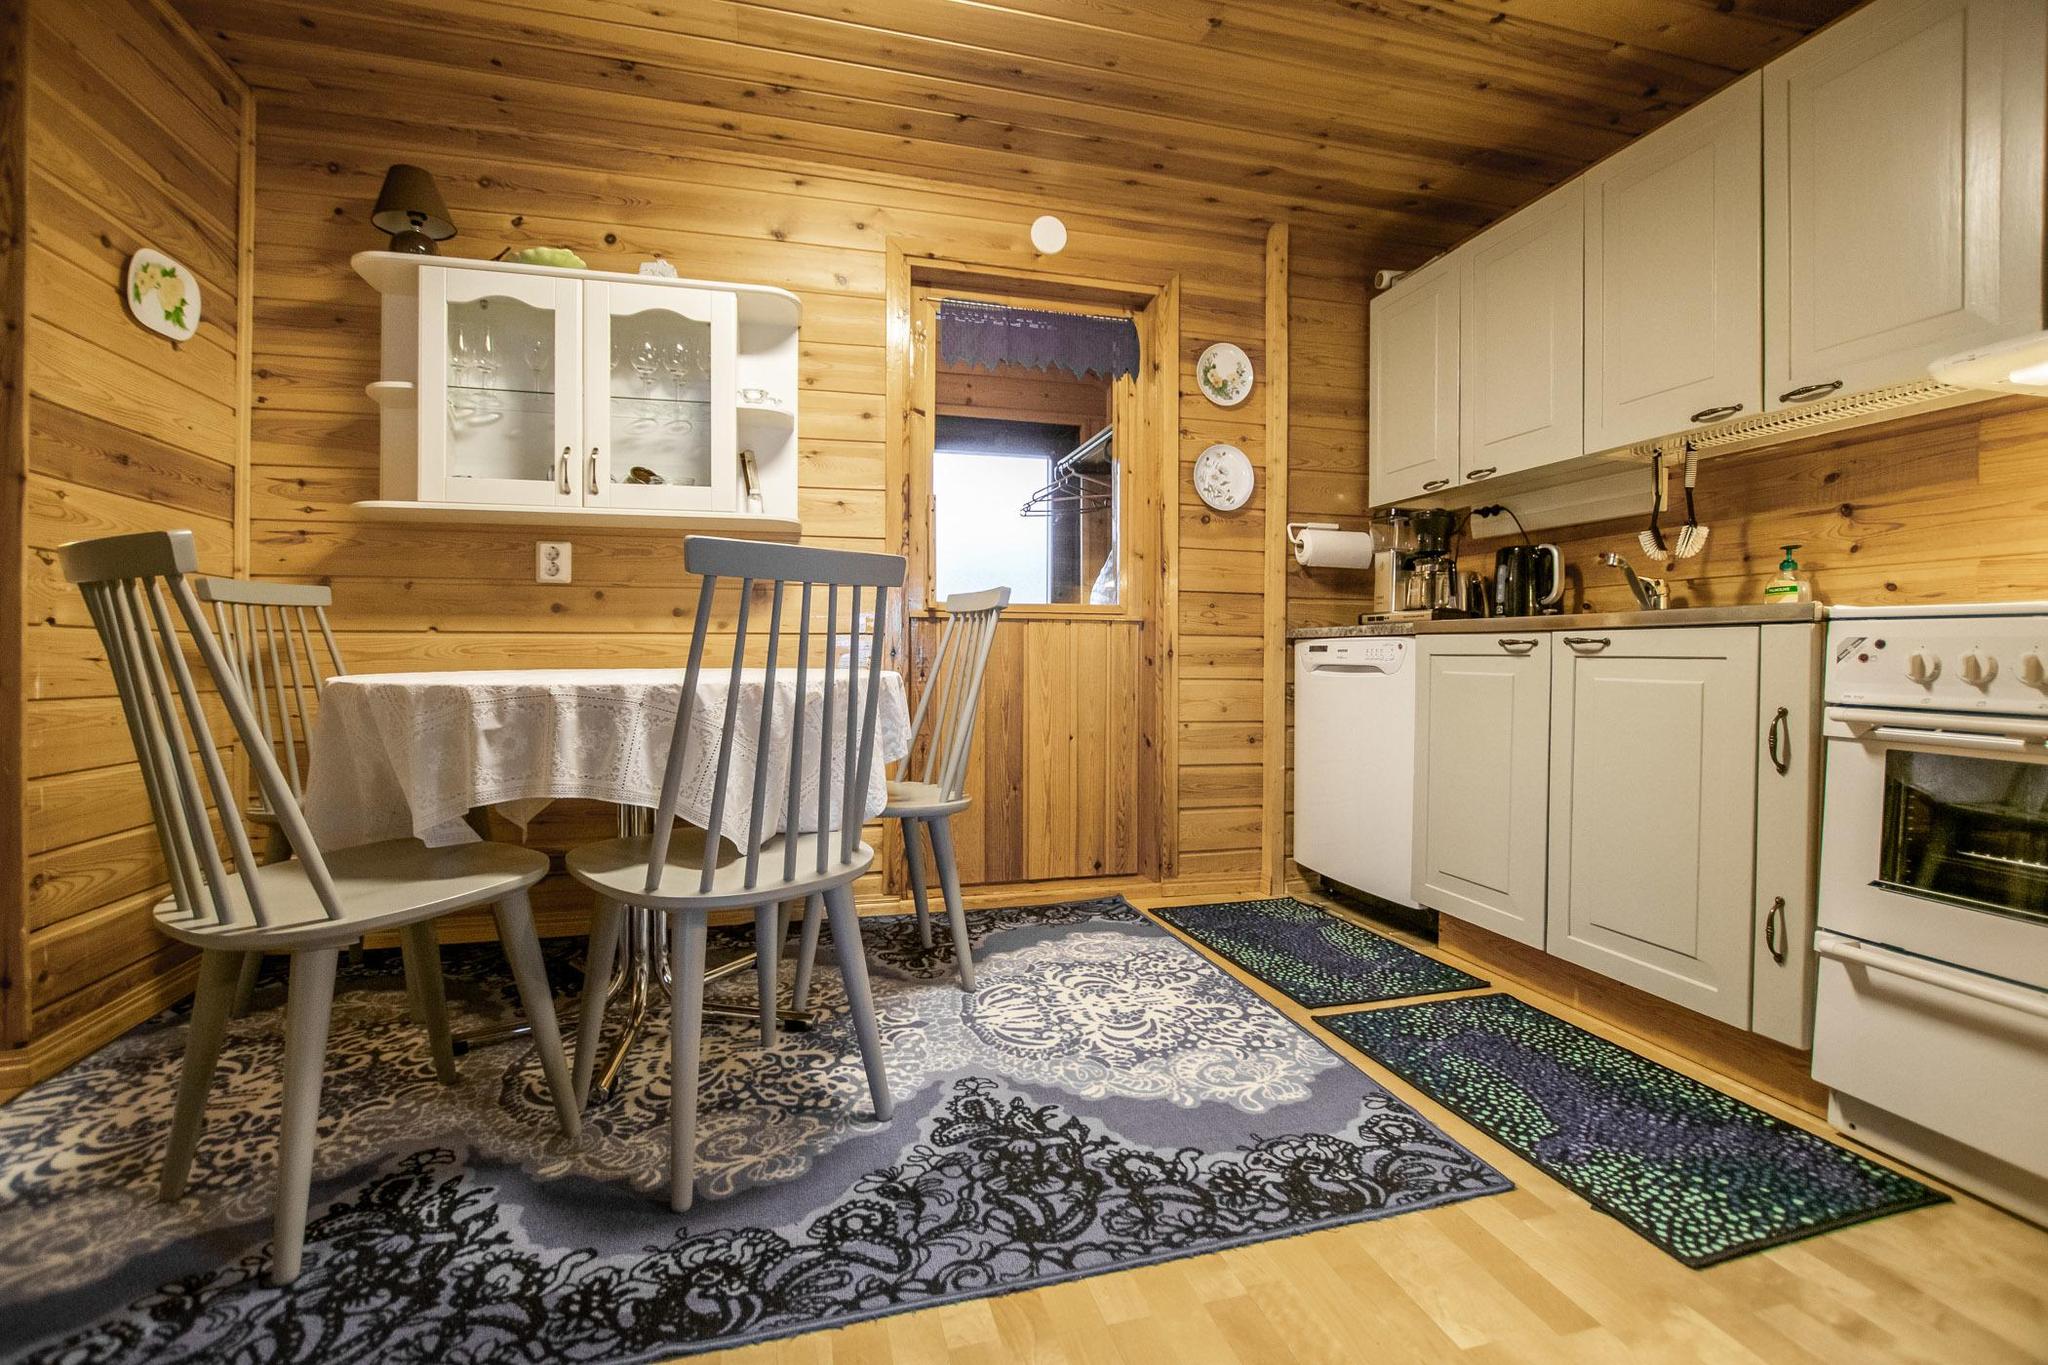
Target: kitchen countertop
[[1751, 615]]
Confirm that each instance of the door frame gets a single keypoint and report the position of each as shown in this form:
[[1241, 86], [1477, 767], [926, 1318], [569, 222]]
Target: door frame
[[1149, 596]]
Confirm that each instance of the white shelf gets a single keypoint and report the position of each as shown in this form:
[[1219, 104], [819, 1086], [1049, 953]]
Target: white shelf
[[393, 393], [470, 514], [764, 414]]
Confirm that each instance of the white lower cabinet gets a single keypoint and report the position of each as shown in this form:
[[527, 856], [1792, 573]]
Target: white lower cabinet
[[1640, 802], [1483, 786], [1653, 806]]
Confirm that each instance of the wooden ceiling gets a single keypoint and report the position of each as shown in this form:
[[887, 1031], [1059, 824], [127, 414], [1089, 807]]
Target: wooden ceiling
[[1415, 121]]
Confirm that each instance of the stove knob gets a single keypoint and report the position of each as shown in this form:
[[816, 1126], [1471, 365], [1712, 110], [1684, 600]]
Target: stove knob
[[2033, 672], [1978, 669], [1923, 666]]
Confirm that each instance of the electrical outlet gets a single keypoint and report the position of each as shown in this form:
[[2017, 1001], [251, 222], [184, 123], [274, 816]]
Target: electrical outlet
[[551, 561]]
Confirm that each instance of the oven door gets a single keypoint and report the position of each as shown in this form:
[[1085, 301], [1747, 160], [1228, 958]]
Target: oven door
[[1935, 838]]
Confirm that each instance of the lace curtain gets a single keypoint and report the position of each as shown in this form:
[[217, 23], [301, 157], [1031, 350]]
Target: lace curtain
[[990, 334]]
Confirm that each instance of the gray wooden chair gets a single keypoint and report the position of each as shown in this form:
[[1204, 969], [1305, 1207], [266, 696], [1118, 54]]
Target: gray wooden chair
[[939, 791], [280, 642], [309, 905], [687, 873]]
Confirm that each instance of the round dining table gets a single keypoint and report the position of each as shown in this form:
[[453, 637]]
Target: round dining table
[[426, 754]]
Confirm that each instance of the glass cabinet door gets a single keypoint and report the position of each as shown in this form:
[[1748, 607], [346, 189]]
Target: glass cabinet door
[[499, 388], [658, 397]]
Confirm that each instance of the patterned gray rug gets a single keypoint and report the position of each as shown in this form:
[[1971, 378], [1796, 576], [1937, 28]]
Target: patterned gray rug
[[1106, 1099]]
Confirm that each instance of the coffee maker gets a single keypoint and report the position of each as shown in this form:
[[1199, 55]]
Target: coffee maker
[[1433, 586], [1393, 541]]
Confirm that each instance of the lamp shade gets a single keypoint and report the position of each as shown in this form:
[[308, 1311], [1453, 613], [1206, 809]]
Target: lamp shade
[[410, 204]]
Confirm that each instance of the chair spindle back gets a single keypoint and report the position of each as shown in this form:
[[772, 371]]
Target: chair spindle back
[[784, 567], [955, 679], [268, 629], [129, 583]]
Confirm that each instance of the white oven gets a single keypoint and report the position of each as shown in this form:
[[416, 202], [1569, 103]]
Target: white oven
[[1931, 1021]]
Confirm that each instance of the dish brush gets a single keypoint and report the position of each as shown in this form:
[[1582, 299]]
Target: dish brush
[[1692, 537], [1652, 539]]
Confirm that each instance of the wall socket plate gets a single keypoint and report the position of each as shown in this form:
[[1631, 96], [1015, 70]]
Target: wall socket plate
[[551, 563]]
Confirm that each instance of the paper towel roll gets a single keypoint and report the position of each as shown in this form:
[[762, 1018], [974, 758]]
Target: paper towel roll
[[1320, 548]]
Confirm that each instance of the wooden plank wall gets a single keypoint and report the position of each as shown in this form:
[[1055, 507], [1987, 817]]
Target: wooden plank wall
[[1946, 507], [135, 135], [1326, 435], [413, 596]]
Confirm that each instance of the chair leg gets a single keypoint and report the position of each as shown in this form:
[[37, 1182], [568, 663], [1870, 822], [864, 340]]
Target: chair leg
[[767, 962], [522, 949], [430, 1005], [605, 923], [218, 971], [913, 858], [245, 983], [807, 951], [413, 1009], [686, 1034], [308, 1004], [949, 881], [853, 966]]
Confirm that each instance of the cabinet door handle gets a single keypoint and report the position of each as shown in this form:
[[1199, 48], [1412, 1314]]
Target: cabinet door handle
[[1583, 642], [1485, 473], [562, 472], [1435, 484], [1806, 393], [1722, 413], [1774, 925], [1517, 646], [593, 471], [1782, 762]]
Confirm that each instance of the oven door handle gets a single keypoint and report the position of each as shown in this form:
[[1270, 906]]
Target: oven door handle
[[2008, 732], [1962, 982]]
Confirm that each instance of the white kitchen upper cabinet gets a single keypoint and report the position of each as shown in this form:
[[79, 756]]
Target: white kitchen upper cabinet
[[1483, 779], [658, 396], [1674, 274], [1902, 192], [1521, 376], [1653, 811], [1413, 406]]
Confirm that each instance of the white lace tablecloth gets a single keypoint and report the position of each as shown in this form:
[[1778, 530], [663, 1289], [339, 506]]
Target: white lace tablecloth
[[396, 754]]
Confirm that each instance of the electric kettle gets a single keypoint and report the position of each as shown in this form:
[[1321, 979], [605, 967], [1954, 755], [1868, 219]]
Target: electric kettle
[[1528, 580]]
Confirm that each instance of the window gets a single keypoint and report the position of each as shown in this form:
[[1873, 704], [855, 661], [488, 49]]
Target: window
[[1008, 513]]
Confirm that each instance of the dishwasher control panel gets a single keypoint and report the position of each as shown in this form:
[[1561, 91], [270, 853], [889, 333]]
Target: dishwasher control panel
[[1380, 654]]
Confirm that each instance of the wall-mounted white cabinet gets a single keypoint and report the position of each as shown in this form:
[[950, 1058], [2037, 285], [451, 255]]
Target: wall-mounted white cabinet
[[1902, 160], [520, 394], [1652, 792], [1641, 802], [1483, 782], [1674, 258], [1414, 383], [1521, 343], [1815, 234]]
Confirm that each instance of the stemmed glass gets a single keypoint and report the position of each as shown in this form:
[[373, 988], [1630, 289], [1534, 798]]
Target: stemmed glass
[[683, 364]]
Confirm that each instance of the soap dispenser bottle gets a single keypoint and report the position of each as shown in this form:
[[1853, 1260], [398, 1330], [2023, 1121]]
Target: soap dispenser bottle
[[1788, 586]]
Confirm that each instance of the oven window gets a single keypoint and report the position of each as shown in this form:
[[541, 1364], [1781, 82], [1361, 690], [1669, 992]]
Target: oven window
[[1973, 831]]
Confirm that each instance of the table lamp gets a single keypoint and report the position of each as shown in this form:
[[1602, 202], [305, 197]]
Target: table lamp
[[410, 209]]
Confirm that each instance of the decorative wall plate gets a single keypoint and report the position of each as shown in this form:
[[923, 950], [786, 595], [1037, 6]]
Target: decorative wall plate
[[1224, 477], [163, 295], [1225, 374]]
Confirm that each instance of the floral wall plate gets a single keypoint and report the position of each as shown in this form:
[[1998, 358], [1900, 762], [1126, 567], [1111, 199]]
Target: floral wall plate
[[163, 295], [1225, 374]]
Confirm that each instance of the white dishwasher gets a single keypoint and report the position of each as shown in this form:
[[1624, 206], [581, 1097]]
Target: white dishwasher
[[1354, 762]]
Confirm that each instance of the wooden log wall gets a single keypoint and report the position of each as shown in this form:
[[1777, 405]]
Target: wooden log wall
[[411, 596], [134, 134]]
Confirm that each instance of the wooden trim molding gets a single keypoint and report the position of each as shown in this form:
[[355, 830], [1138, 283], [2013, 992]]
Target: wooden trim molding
[[14, 95], [1273, 829]]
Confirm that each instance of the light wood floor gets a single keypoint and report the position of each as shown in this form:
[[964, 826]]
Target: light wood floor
[[1533, 1275]]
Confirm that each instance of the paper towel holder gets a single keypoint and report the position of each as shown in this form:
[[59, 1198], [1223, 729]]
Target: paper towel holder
[[1295, 528]]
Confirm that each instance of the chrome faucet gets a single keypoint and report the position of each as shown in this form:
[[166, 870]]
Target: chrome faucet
[[1651, 594]]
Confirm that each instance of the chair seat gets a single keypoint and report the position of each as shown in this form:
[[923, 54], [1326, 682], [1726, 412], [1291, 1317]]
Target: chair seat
[[617, 870], [921, 800], [382, 885]]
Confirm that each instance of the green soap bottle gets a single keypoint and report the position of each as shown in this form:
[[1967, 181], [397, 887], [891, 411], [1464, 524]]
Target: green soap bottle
[[1788, 586]]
